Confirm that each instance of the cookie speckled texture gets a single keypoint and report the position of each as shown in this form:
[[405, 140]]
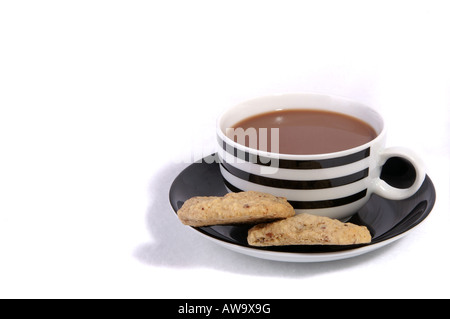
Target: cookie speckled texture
[[305, 229], [234, 208]]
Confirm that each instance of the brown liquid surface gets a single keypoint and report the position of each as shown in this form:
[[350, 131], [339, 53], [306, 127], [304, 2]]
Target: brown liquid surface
[[305, 132]]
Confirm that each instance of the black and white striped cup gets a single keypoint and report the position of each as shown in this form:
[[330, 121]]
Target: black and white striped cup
[[334, 184]]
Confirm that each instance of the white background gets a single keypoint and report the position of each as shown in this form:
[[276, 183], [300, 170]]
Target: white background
[[103, 102]]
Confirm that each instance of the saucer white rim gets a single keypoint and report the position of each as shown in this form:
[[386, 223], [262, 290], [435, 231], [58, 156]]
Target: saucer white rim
[[304, 257]]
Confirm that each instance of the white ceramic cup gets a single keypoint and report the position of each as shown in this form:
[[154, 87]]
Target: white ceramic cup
[[335, 184]]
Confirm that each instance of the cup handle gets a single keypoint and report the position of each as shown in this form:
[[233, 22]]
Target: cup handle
[[382, 188]]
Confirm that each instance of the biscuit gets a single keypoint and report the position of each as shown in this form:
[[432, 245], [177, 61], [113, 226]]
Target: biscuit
[[234, 208], [305, 229]]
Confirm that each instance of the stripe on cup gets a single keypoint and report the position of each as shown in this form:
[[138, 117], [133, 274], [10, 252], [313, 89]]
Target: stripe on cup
[[329, 203], [294, 164], [294, 184]]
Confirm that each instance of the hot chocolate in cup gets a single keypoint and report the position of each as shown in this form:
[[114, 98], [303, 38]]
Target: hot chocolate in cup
[[323, 167]]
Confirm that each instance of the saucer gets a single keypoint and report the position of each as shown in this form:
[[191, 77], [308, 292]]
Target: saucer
[[387, 220]]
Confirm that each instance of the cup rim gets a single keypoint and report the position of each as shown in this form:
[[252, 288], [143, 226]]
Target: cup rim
[[257, 152]]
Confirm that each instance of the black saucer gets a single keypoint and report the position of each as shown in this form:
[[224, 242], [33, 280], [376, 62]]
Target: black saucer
[[386, 219]]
